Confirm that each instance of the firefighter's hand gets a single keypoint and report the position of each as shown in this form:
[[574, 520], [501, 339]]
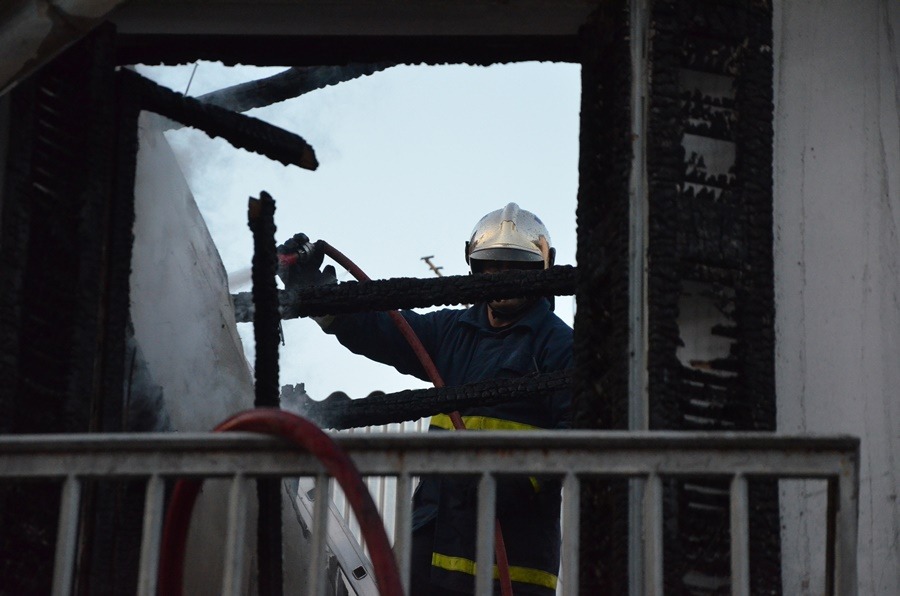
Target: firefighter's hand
[[299, 261]]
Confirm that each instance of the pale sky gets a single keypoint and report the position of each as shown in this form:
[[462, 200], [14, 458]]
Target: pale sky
[[410, 159]]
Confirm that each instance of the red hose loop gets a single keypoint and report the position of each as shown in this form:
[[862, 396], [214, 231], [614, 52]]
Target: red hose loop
[[304, 434], [344, 261], [431, 370]]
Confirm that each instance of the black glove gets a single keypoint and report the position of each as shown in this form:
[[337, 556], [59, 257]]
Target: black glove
[[299, 261]]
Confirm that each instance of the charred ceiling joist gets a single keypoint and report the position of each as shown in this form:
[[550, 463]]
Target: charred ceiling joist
[[241, 131], [338, 411], [407, 292]]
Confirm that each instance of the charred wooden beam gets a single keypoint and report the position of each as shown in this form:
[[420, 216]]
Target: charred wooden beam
[[338, 411], [241, 131], [602, 322], [410, 292], [261, 219]]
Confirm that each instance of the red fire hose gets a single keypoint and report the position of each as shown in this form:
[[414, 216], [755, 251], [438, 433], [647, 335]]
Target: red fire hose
[[431, 370], [301, 433]]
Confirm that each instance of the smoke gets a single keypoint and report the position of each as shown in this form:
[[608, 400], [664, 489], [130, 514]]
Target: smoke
[[145, 408], [293, 398], [240, 279]]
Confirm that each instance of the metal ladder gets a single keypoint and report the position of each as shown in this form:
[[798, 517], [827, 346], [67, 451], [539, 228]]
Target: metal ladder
[[356, 569]]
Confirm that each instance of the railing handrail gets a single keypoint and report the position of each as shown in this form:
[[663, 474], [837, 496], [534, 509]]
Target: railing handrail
[[624, 453]]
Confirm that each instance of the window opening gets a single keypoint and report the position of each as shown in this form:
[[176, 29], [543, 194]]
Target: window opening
[[410, 158], [698, 48]]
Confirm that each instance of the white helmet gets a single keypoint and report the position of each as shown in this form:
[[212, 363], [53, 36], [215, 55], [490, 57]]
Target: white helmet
[[510, 234]]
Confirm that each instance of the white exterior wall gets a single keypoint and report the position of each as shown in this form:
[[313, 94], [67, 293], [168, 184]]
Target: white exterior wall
[[184, 324], [180, 304], [837, 266]]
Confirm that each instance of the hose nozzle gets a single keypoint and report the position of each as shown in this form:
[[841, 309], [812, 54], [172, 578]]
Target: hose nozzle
[[299, 256]]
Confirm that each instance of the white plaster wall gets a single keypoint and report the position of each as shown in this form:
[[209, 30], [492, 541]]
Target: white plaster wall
[[837, 266], [181, 306], [184, 324]]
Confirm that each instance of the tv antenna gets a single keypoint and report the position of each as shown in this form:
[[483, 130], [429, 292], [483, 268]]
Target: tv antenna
[[437, 270]]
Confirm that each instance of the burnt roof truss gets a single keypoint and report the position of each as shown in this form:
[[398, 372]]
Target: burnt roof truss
[[242, 131]]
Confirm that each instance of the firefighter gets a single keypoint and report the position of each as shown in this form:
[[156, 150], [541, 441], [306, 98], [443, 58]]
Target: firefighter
[[505, 338]]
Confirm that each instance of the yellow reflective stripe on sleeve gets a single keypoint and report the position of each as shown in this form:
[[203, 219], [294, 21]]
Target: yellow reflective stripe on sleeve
[[524, 575], [480, 423]]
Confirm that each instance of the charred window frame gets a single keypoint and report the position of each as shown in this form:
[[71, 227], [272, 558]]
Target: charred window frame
[[705, 222]]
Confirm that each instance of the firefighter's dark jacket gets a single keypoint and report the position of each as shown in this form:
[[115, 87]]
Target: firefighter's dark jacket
[[466, 349]]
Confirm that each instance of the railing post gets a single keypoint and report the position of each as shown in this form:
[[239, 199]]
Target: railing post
[[150, 538], [571, 533], [67, 537], [845, 524], [233, 578], [484, 545], [319, 530], [653, 536], [403, 528], [740, 537]]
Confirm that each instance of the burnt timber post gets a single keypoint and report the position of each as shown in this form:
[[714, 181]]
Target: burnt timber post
[[708, 271]]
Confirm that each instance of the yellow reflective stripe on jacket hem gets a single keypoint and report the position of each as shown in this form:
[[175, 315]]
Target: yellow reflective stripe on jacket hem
[[524, 575], [480, 423]]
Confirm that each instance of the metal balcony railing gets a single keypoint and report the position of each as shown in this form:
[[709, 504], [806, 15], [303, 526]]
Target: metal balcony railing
[[572, 455]]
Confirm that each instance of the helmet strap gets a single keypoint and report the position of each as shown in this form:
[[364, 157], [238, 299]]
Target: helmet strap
[[547, 253]]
